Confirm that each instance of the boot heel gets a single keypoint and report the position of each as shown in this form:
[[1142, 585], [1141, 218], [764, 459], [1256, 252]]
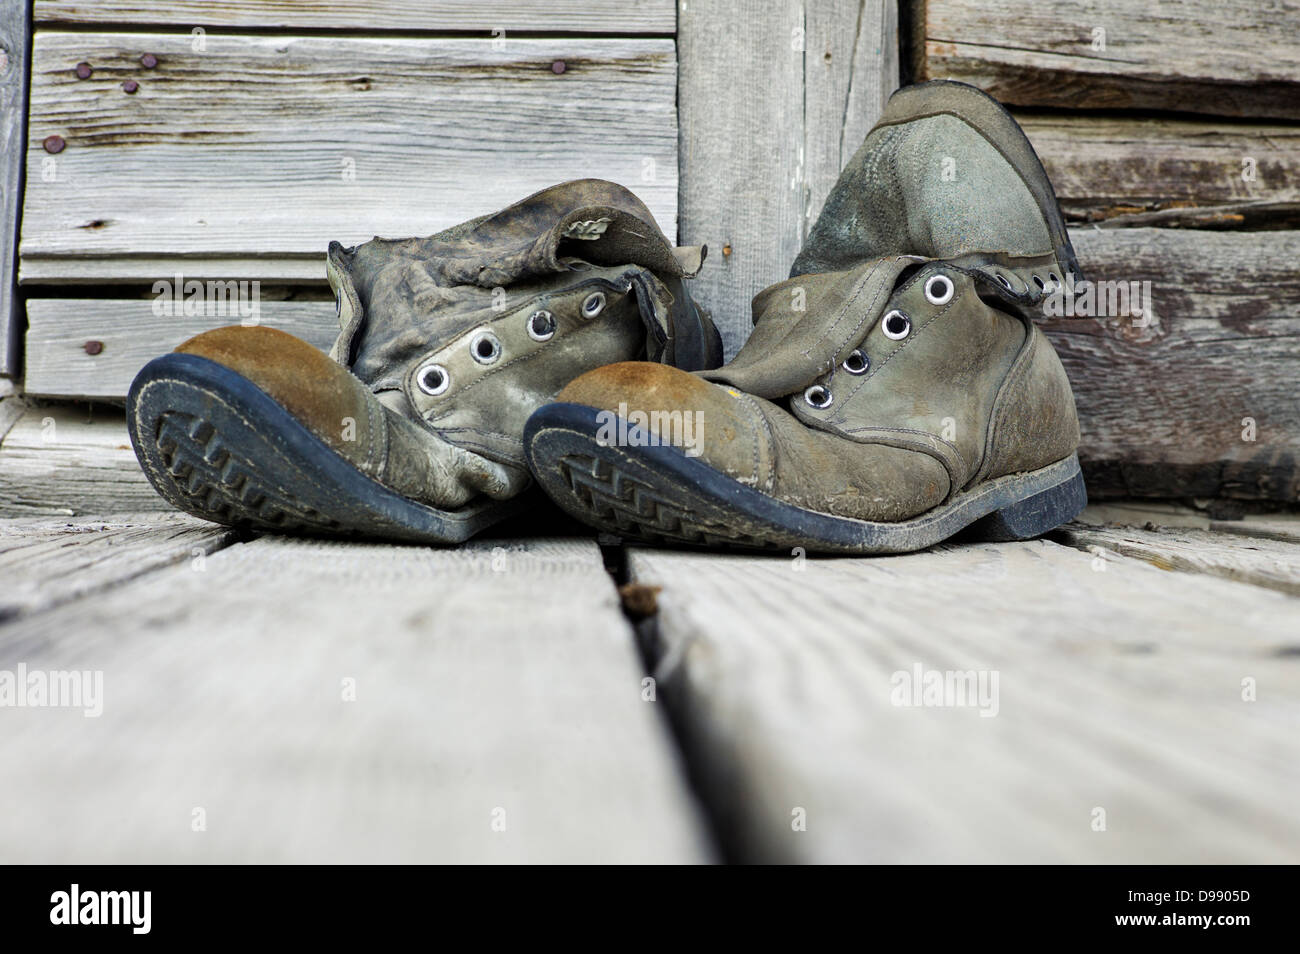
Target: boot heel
[[1034, 515]]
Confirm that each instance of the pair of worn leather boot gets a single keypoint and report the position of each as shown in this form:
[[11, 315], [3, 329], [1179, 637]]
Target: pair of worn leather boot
[[894, 390]]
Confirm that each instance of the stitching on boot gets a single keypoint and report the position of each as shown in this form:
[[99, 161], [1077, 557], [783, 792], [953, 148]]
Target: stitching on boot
[[1018, 370], [857, 293], [753, 406], [954, 483]]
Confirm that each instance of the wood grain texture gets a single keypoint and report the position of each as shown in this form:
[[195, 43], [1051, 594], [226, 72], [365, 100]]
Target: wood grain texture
[[65, 461], [1119, 688], [773, 100], [45, 562], [1160, 171], [567, 16], [1246, 559], [14, 29], [1226, 58], [246, 158], [496, 682], [1278, 526], [130, 335], [1164, 409]]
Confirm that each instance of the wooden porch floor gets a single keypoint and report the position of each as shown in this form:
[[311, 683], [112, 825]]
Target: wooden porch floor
[[1136, 687]]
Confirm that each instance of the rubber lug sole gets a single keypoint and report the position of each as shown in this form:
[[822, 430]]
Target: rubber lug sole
[[657, 494], [215, 445]]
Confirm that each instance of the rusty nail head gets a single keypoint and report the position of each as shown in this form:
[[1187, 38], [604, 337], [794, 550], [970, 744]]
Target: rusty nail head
[[558, 67], [148, 61], [130, 86], [93, 347], [84, 70], [53, 144]]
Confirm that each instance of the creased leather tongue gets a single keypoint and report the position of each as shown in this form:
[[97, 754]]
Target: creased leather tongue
[[401, 296], [804, 326]]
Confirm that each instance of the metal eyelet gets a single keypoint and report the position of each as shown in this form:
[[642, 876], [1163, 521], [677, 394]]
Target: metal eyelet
[[541, 325], [818, 396], [857, 362], [433, 379], [593, 304], [897, 325], [485, 347], [938, 290]]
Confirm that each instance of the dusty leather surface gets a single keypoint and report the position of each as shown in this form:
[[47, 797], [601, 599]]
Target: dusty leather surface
[[405, 305], [971, 392], [925, 181]]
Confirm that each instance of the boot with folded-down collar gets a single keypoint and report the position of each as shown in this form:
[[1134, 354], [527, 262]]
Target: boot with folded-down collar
[[894, 391], [411, 427]]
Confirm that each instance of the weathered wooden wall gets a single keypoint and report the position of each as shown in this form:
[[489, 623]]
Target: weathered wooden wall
[[244, 158], [759, 107], [1221, 57]]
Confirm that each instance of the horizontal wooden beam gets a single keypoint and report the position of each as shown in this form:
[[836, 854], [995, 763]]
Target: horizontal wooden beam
[[93, 347], [554, 16], [1219, 57], [245, 157], [1116, 170]]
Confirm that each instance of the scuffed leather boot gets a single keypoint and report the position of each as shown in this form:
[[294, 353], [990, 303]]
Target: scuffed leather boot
[[894, 390], [411, 428], [946, 173]]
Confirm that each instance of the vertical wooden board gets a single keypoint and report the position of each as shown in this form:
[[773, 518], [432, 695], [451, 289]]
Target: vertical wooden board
[[1118, 731], [45, 562], [554, 16], [14, 28], [1223, 57], [328, 702], [126, 334], [247, 155], [772, 99], [72, 460]]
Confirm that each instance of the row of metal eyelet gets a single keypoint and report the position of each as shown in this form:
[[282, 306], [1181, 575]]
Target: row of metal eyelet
[[896, 326], [485, 347]]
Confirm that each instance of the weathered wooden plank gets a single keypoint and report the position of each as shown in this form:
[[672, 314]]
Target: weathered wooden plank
[[1201, 400], [557, 16], [774, 98], [1277, 526], [326, 702], [244, 159], [125, 334], [1224, 57], [14, 30], [45, 562], [67, 461], [1262, 562], [1121, 701], [1125, 170]]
